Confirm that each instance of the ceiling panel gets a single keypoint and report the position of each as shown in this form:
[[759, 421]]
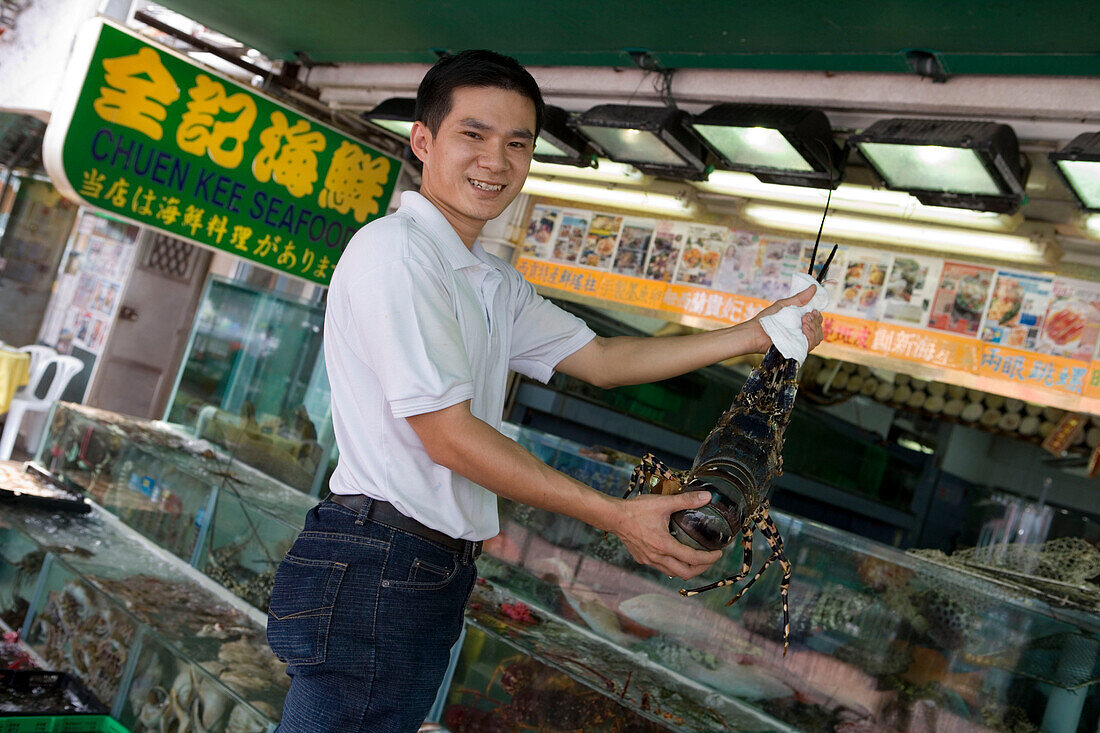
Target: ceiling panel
[[986, 37]]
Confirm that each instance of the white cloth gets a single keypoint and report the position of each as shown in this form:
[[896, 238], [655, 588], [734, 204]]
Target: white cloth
[[785, 327], [416, 322]]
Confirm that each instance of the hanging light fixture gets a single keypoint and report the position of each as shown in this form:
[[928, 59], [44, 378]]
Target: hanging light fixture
[[394, 115], [793, 146], [652, 139], [560, 144], [1079, 166], [968, 165]]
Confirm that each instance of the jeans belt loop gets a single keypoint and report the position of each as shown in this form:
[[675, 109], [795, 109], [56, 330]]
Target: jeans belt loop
[[364, 513]]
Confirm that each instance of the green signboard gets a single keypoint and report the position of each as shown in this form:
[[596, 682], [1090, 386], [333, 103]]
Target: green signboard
[[144, 133]]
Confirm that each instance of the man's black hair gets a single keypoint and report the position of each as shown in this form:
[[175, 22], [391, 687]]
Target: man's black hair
[[475, 68]]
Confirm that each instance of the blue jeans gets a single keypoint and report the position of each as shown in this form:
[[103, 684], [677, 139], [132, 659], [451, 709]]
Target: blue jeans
[[365, 616]]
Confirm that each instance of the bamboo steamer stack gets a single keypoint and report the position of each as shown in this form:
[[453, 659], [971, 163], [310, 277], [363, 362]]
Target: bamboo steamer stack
[[972, 407]]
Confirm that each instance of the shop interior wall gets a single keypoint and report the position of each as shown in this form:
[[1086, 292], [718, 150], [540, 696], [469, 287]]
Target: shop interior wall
[[1001, 463]]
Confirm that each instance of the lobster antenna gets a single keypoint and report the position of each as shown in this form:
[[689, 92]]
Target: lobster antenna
[[828, 198], [825, 267]]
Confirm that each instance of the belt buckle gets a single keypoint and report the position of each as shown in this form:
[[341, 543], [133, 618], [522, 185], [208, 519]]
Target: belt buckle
[[475, 550]]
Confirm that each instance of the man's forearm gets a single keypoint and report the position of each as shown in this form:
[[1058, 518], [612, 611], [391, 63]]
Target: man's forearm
[[471, 447], [639, 360]]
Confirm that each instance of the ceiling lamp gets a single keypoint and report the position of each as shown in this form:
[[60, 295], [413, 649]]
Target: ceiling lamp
[[395, 116], [559, 143], [652, 139], [1079, 166], [793, 146], [966, 165]]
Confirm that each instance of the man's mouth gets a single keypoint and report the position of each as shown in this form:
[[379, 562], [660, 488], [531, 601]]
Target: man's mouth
[[485, 185]]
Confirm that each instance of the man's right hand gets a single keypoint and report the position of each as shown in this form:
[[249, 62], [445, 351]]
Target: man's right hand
[[643, 528]]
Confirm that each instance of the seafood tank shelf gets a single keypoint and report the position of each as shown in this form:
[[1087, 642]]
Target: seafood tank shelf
[[160, 644], [881, 640]]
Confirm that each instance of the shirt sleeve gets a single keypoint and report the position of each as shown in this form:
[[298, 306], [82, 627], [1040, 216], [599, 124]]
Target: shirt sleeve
[[408, 334], [543, 333]]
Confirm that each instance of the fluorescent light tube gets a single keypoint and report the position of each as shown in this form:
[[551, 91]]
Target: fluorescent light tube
[[1008, 247], [649, 202], [852, 197], [608, 171], [1092, 225]]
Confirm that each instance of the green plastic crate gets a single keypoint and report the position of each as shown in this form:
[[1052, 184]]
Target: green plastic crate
[[61, 724]]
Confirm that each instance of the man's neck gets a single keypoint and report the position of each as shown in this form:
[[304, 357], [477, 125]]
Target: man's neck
[[466, 228]]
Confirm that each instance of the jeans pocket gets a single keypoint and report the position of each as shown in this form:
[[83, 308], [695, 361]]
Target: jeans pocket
[[422, 574], [300, 610]]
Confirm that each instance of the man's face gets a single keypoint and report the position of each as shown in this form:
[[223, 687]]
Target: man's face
[[475, 165]]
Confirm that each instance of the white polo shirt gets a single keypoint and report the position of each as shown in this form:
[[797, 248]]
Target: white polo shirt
[[416, 322]]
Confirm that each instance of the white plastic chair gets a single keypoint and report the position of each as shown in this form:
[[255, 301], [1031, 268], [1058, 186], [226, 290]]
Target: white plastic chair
[[39, 355], [67, 368]]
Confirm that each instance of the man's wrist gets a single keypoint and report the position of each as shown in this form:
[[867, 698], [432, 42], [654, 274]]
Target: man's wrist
[[606, 512], [750, 338]]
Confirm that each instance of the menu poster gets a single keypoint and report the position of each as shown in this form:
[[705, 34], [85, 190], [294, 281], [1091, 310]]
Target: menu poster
[[664, 253], [571, 234], [961, 297], [540, 232], [834, 278], [910, 287], [633, 246], [1072, 323], [739, 263], [779, 258], [702, 253], [862, 280], [1016, 310], [599, 246]]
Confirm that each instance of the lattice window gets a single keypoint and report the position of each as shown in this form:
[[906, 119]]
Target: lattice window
[[171, 257]]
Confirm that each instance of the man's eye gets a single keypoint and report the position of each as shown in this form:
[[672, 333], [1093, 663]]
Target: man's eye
[[472, 134], [519, 145]]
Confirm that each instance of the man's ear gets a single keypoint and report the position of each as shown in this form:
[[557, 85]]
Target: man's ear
[[420, 140]]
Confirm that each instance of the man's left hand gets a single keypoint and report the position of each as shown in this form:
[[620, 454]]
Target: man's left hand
[[811, 322]]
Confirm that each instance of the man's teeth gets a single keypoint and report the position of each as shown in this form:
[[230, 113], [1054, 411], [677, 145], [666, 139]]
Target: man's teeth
[[486, 186]]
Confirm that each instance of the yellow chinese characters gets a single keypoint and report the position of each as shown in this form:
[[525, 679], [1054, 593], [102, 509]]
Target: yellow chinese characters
[[289, 153], [202, 131], [139, 89], [354, 182]]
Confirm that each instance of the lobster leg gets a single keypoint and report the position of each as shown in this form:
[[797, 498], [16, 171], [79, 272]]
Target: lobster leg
[[775, 541], [746, 566], [771, 534], [650, 475]]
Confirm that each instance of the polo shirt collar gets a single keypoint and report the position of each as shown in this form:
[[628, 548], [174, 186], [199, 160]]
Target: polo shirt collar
[[421, 209]]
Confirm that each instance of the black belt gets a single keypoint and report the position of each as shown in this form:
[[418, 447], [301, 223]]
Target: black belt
[[386, 513]]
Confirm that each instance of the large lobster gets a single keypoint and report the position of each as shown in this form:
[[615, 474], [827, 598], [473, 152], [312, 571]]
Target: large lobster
[[736, 463]]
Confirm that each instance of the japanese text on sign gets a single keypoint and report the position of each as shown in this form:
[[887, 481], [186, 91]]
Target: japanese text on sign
[[154, 138]]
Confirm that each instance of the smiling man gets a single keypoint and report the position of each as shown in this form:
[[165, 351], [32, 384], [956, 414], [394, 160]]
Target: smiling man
[[421, 328]]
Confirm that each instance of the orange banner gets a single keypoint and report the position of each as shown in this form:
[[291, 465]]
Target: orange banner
[[968, 356], [848, 331], [1092, 384], [938, 349], [1033, 370], [710, 304]]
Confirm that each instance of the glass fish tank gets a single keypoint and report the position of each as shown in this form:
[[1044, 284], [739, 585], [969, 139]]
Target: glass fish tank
[[880, 640], [162, 646]]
